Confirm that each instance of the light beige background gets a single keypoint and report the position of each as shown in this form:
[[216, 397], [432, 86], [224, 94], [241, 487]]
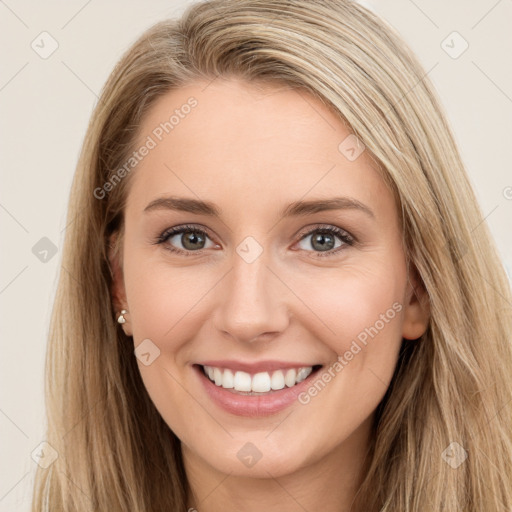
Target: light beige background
[[45, 106]]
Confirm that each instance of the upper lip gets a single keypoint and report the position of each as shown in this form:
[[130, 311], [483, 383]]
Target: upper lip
[[255, 367]]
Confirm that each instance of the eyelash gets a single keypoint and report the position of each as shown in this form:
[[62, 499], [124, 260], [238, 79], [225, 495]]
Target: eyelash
[[344, 236]]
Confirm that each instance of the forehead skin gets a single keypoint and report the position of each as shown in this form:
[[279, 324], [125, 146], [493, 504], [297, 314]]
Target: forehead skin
[[252, 152]]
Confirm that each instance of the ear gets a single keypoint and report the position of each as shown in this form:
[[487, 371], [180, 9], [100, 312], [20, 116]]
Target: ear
[[117, 289], [417, 308]]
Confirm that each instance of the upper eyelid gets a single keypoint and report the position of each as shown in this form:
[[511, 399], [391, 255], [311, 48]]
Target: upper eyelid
[[175, 230], [319, 227]]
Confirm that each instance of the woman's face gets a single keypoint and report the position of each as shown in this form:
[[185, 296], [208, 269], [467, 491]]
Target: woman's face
[[287, 254]]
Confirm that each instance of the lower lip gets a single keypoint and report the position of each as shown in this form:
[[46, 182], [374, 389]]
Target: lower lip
[[253, 405]]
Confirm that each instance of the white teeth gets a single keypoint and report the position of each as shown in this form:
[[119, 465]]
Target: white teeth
[[228, 379], [277, 380], [303, 373], [289, 378], [261, 382], [242, 381]]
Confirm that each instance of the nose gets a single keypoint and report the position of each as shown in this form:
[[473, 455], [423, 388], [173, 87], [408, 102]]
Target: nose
[[251, 305]]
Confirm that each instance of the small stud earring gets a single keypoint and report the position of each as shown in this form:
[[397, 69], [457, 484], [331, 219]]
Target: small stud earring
[[121, 319]]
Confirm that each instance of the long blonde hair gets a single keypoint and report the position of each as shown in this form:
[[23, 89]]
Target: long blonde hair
[[453, 385]]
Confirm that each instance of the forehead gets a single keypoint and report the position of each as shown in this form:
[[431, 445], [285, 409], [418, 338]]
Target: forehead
[[232, 141]]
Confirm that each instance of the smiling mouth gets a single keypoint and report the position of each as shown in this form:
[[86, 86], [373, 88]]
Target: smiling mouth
[[260, 383]]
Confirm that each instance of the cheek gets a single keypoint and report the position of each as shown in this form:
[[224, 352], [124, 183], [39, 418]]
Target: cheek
[[360, 314], [355, 304], [161, 304], [164, 299]]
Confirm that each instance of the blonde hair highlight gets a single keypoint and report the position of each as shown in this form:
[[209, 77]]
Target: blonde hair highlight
[[453, 384]]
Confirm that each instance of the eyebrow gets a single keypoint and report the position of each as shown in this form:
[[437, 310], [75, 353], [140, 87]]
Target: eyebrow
[[296, 209]]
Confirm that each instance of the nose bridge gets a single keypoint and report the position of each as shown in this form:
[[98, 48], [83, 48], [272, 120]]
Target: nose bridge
[[251, 303]]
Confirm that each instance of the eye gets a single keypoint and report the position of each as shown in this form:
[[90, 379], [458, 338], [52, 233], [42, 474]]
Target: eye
[[185, 240], [322, 239]]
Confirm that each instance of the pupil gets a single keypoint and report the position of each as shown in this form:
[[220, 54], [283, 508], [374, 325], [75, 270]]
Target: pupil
[[325, 242], [190, 240]]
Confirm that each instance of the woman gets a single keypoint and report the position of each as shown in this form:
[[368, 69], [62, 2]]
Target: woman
[[278, 292]]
